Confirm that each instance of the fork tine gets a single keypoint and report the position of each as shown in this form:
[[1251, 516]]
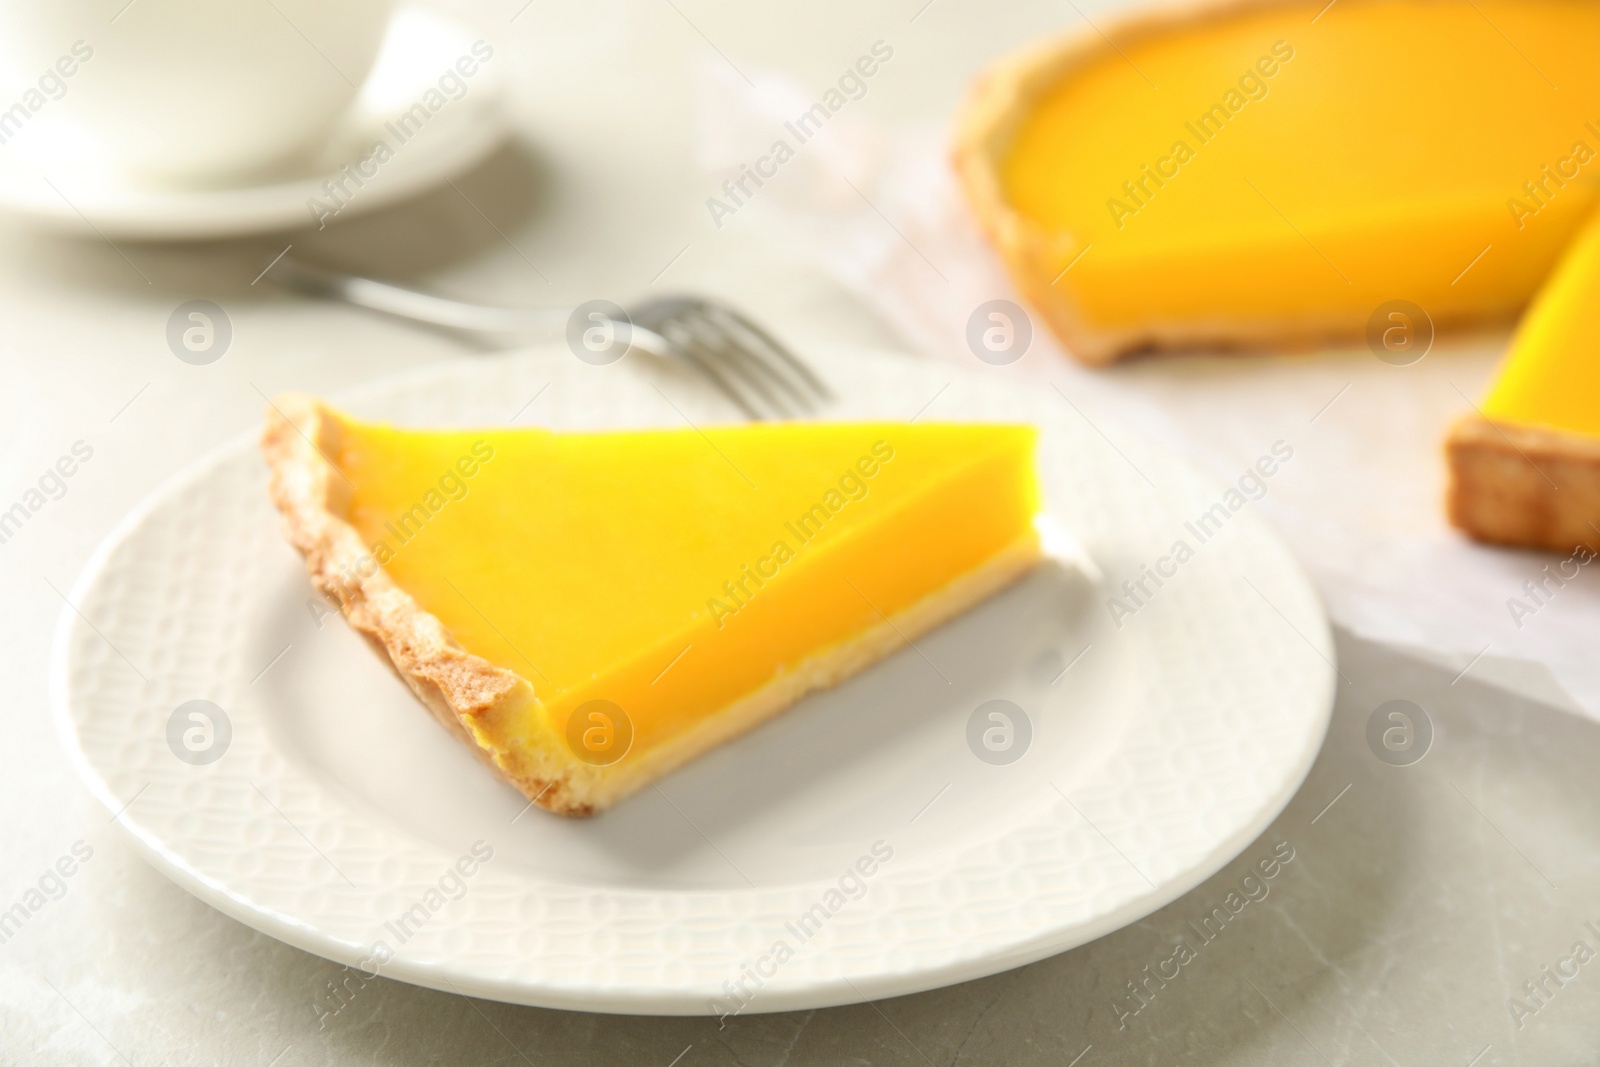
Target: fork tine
[[765, 339], [686, 348], [738, 360], [756, 362]]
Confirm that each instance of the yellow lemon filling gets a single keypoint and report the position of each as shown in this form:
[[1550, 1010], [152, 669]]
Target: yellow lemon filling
[[1304, 162], [1551, 377], [669, 573]]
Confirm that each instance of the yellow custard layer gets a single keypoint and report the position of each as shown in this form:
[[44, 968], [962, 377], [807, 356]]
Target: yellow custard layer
[[1551, 377], [1297, 160], [671, 572]]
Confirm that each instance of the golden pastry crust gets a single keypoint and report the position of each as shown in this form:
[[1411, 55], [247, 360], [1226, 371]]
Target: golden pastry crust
[[462, 691], [1524, 485], [1001, 99], [494, 710]]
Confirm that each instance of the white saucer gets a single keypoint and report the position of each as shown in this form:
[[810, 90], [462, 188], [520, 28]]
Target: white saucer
[[419, 48], [334, 812]]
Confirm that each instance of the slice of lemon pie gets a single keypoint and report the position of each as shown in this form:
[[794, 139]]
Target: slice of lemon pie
[[1270, 172], [589, 611], [1525, 467]]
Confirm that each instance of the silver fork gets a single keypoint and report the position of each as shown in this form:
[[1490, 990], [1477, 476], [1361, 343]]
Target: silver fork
[[743, 361]]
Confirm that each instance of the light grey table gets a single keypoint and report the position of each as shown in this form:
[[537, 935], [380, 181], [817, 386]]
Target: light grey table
[[1419, 899]]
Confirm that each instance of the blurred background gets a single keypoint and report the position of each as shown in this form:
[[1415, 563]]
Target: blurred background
[[585, 157]]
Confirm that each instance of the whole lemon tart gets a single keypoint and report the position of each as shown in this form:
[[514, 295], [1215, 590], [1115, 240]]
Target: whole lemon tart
[[589, 611], [1267, 173], [1525, 464]]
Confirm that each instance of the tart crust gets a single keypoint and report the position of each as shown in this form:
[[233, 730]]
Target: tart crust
[[491, 708], [1524, 485], [1001, 99]]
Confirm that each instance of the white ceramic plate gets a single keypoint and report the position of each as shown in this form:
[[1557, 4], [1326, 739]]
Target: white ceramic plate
[[419, 48], [338, 809]]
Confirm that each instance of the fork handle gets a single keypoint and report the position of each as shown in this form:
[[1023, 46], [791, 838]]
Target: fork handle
[[412, 304]]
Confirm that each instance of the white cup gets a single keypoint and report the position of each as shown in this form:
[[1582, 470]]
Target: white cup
[[181, 92]]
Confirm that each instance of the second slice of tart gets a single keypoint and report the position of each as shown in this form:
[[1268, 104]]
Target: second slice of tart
[[589, 611], [1525, 467]]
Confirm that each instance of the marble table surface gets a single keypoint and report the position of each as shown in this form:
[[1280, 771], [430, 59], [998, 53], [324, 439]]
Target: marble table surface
[[1444, 912]]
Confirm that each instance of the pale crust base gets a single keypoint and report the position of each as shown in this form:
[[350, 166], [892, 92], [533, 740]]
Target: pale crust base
[[1523, 485], [493, 710], [1002, 98]]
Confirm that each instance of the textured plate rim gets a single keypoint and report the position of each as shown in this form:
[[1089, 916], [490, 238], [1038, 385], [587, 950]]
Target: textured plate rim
[[623, 998]]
